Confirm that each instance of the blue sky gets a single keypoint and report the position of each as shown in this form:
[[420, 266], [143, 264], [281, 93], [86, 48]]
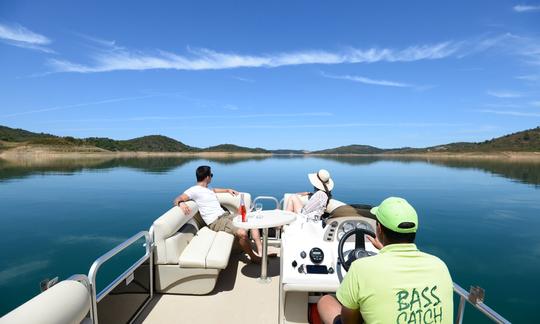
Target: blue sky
[[289, 74]]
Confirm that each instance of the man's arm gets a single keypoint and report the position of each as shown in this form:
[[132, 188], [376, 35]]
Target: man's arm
[[231, 191], [350, 316], [179, 202]]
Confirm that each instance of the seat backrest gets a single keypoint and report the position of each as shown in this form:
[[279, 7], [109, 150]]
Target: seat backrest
[[233, 202], [66, 302], [166, 233], [332, 204], [174, 230]]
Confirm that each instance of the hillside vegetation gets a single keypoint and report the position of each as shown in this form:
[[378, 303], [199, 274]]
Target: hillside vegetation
[[234, 148], [524, 141], [351, 149]]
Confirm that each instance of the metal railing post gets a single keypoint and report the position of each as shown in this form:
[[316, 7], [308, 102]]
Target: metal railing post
[[92, 273], [461, 310], [274, 199]]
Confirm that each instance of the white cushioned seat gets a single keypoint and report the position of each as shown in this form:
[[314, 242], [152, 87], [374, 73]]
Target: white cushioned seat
[[218, 256], [194, 255], [188, 258], [208, 250]]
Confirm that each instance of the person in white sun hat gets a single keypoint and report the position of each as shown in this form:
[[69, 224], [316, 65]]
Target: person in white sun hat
[[318, 199]]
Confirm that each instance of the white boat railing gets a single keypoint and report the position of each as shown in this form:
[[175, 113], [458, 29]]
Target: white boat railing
[[476, 298], [92, 274]]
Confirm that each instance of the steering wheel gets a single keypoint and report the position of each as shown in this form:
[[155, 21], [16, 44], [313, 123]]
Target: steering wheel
[[347, 258]]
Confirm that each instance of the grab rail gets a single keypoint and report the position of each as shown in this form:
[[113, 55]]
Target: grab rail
[[92, 274], [476, 298], [274, 199]]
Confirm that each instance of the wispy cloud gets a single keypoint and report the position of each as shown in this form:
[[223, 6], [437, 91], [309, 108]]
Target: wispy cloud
[[510, 113], [84, 104], [364, 80], [535, 103], [207, 59], [334, 125], [20, 36], [504, 94], [231, 107], [501, 105], [23, 269], [243, 79], [526, 8], [188, 117], [528, 77]]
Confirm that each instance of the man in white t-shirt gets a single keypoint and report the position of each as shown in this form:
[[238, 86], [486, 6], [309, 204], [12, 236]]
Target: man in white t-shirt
[[215, 217]]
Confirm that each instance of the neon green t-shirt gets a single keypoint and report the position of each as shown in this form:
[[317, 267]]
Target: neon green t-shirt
[[399, 285]]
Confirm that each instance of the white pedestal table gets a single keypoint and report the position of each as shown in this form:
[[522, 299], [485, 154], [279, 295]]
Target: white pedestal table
[[264, 220]]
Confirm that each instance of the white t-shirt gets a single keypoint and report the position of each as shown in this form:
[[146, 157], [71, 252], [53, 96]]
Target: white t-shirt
[[207, 202]]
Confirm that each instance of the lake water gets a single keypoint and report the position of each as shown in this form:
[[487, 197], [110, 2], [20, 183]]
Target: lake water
[[481, 217]]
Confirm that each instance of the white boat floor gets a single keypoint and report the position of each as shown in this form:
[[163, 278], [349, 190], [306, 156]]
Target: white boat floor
[[237, 298]]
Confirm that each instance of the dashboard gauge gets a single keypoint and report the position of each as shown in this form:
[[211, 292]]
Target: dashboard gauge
[[347, 226], [340, 235], [363, 225]]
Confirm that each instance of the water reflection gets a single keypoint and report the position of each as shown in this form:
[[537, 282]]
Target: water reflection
[[525, 171], [27, 167]]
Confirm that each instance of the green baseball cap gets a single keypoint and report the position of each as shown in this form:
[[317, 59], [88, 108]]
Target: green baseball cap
[[397, 215]]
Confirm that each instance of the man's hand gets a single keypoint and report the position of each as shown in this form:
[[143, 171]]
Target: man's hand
[[375, 241], [185, 208], [232, 192]]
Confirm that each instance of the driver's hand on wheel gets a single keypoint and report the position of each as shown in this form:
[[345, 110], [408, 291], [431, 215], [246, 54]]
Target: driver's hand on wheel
[[375, 241]]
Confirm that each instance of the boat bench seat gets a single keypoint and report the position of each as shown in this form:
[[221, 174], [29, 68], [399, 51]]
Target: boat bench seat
[[188, 258], [208, 249]]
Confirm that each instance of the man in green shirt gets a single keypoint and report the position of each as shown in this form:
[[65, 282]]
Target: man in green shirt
[[400, 284]]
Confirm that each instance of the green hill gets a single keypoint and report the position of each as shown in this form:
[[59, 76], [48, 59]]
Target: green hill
[[234, 148], [524, 141], [11, 137], [351, 149], [151, 143], [20, 135]]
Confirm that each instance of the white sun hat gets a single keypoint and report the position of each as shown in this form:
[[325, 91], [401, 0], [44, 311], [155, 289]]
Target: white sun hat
[[323, 176]]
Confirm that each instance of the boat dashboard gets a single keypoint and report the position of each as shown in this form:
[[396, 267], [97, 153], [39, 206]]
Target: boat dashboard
[[310, 252]]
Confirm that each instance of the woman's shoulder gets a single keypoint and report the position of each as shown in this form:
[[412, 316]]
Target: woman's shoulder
[[320, 193]]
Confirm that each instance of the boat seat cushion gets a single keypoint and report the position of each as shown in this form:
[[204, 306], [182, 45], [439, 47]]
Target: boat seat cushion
[[218, 256], [207, 250]]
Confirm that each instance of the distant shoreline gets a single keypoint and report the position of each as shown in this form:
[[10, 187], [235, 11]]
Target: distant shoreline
[[48, 153]]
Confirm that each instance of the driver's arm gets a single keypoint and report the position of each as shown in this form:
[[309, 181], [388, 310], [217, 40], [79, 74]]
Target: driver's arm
[[350, 316]]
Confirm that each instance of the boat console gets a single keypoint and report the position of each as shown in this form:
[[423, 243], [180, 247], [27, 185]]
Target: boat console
[[310, 262]]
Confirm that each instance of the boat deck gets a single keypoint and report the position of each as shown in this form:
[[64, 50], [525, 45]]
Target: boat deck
[[237, 298]]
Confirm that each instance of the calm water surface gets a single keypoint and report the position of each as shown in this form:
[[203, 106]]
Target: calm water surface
[[481, 218]]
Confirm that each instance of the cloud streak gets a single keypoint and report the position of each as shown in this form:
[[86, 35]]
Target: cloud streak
[[364, 80], [84, 104], [510, 113], [20, 36], [187, 117], [504, 94], [526, 8], [121, 59]]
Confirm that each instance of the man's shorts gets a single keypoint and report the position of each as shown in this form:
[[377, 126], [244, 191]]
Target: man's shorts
[[224, 223]]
